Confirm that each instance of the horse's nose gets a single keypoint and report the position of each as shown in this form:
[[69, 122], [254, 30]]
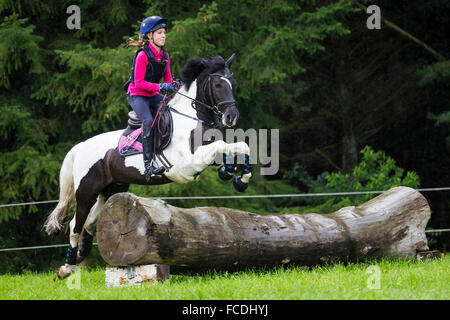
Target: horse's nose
[[231, 118]]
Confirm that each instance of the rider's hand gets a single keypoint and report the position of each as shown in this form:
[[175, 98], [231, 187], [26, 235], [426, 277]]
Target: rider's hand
[[177, 84], [166, 87]]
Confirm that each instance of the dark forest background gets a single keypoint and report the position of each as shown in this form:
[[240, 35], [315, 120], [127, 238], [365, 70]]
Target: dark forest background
[[357, 109]]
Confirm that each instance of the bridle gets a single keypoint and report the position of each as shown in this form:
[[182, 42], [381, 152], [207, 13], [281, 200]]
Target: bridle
[[215, 108]]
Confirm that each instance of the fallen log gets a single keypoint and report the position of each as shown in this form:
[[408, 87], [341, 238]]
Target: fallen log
[[133, 231]]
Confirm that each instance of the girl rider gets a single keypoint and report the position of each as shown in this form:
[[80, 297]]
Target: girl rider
[[150, 64]]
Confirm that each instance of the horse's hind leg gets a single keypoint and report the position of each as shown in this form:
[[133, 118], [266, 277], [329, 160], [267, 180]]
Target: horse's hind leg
[[69, 265], [86, 196], [87, 235], [89, 225], [90, 222]]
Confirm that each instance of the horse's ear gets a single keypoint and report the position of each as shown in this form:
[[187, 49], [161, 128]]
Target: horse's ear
[[230, 60]]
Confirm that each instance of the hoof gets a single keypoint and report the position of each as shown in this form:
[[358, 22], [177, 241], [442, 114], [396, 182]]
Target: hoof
[[239, 185], [223, 174], [65, 271]]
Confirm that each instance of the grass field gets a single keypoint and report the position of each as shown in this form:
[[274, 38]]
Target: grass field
[[381, 279]]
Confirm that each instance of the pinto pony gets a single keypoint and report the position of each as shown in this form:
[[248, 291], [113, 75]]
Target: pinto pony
[[93, 170]]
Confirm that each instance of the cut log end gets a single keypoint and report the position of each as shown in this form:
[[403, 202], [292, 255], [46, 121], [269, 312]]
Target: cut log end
[[123, 230]]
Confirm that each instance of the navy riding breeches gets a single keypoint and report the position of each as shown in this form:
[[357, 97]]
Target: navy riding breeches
[[142, 106]]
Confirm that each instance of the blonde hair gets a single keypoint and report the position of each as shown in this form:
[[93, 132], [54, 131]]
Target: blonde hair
[[138, 44]]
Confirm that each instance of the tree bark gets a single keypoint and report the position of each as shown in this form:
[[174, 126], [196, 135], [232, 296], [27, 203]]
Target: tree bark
[[133, 231]]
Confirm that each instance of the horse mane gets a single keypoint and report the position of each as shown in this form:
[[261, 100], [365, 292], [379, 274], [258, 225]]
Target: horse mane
[[194, 67]]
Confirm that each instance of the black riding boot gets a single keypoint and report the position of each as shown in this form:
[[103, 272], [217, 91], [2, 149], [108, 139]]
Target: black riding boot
[[148, 149]]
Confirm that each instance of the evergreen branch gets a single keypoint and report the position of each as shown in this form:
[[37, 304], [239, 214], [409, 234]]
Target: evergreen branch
[[437, 55], [323, 155]]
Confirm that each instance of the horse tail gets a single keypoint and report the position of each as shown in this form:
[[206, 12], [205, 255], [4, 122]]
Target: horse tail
[[55, 219]]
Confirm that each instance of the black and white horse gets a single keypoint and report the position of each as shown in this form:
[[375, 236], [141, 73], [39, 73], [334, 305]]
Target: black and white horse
[[93, 170]]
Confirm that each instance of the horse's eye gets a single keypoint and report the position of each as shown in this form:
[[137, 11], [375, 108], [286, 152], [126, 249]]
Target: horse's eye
[[218, 85]]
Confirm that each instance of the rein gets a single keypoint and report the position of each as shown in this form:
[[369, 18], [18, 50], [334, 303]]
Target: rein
[[211, 125], [159, 109]]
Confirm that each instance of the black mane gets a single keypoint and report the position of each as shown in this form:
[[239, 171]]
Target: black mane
[[194, 67]]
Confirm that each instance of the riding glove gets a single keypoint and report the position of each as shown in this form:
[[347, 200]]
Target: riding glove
[[177, 84], [166, 87]]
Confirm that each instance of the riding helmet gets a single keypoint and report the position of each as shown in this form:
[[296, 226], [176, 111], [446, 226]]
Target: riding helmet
[[152, 23]]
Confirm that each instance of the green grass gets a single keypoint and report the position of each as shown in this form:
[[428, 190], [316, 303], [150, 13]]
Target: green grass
[[399, 279]]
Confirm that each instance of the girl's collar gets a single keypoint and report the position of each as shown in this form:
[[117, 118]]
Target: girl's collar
[[154, 50]]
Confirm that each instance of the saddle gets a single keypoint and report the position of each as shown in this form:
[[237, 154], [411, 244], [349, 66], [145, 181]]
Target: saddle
[[130, 142]]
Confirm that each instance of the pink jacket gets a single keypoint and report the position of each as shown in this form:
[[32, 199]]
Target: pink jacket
[[140, 86]]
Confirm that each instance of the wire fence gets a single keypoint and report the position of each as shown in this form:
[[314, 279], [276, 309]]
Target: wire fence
[[223, 197], [292, 195], [38, 247]]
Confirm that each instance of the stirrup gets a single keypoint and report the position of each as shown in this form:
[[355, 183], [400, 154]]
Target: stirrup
[[152, 171], [157, 171]]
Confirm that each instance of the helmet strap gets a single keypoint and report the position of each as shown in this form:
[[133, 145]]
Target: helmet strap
[[153, 42]]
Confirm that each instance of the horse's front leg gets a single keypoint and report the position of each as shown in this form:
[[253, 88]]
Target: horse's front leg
[[240, 183], [236, 156]]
